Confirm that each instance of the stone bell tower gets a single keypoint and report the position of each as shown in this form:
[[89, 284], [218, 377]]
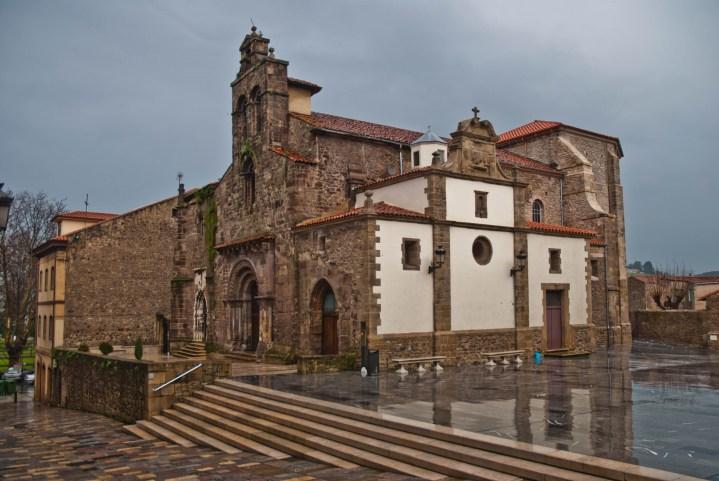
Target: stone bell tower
[[472, 149], [259, 96]]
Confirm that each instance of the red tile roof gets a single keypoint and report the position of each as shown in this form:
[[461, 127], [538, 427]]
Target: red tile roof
[[560, 229], [540, 126], [707, 296], [290, 154], [597, 242], [528, 129], [84, 215], [380, 208], [358, 127], [506, 157], [314, 88], [418, 172], [244, 241]]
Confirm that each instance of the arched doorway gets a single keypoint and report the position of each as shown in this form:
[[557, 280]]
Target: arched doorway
[[199, 328], [244, 304], [324, 322]]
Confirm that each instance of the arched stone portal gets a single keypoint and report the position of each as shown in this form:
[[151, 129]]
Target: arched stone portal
[[244, 308], [199, 328], [324, 329]]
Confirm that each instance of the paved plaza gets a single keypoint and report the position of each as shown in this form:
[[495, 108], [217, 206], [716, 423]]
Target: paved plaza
[[656, 405], [43, 443]]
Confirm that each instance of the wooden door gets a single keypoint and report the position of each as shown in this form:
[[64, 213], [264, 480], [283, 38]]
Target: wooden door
[[555, 338], [254, 319], [330, 341]]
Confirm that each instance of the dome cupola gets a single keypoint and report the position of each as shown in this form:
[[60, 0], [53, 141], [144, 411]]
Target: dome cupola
[[425, 146]]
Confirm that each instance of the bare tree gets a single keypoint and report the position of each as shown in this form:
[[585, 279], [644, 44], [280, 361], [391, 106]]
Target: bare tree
[[669, 289], [30, 224]]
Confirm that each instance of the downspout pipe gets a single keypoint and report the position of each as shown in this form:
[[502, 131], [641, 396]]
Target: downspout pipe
[[606, 292]]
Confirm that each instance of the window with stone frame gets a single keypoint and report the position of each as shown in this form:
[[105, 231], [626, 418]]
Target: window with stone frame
[[480, 204], [415, 158], [322, 242], [256, 107], [482, 250], [52, 278], [248, 174], [537, 211], [595, 269], [555, 261], [410, 254], [242, 115], [45, 282]]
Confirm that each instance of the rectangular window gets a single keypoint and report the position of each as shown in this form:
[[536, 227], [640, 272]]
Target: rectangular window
[[415, 158], [410, 254], [480, 204], [555, 261], [322, 243], [595, 270]]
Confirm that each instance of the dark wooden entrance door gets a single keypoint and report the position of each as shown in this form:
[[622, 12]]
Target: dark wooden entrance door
[[254, 318], [554, 320], [330, 343]]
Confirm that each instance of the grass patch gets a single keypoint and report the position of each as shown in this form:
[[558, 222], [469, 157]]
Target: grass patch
[[28, 358]]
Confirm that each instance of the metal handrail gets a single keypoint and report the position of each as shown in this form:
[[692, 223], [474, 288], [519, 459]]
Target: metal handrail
[[176, 378]]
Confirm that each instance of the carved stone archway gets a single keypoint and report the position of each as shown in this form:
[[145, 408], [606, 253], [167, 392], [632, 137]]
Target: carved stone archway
[[324, 319], [244, 305]]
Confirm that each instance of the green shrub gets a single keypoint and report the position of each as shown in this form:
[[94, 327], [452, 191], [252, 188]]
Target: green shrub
[[138, 349], [106, 348], [83, 348]]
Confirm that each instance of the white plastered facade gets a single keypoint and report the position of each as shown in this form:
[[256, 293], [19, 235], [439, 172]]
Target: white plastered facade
[[409, 194], [482, 295], [461, 202], [406, 296], [573, 272]]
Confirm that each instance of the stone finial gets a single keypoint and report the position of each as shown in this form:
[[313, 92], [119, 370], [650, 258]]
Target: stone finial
[[437, 158], [368, 202], [272, 52], [475, 110]]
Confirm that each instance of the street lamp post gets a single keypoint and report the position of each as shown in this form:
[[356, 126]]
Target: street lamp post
[[5, 203]]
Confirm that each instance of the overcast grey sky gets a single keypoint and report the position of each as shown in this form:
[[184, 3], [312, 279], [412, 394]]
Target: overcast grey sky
[[113, 98]]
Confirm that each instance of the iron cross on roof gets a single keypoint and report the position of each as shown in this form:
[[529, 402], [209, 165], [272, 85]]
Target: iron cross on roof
[[476, 112]]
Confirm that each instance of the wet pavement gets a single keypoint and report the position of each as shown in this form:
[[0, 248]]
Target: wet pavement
[[51, 444], [654, 405]]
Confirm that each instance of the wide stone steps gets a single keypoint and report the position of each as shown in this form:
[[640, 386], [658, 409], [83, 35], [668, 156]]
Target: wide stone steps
[[233, 415], [410, 447], [179, 427], [192, 350], [163, 433], [299, 443], [139, 432]]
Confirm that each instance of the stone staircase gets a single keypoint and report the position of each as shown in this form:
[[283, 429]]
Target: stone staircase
[[192, 350], [231, 416], [242, 356]]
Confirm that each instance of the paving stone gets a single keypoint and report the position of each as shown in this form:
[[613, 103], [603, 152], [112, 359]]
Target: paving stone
[[42, 443]]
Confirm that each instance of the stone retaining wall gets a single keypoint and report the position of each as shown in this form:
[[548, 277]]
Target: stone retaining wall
[[123, 388], [684, 327]]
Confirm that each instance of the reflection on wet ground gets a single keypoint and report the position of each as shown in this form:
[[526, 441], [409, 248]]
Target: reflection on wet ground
[[655, 405]]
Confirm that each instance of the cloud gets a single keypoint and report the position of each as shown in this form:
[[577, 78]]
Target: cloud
[[113, 98]]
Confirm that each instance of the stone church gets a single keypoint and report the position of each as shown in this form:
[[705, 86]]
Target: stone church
[[326, 234]]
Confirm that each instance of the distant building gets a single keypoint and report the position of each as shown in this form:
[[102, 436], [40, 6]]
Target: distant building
[[49, 326]]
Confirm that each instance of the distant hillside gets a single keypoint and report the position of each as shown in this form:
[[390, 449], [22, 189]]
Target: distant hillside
[[710, 273]]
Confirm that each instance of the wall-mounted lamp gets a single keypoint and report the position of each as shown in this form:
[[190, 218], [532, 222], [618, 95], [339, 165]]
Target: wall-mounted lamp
[[520, 264], [439, 253]]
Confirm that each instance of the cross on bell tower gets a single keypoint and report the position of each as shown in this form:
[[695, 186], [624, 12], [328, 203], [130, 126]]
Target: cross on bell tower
[[475, 109]]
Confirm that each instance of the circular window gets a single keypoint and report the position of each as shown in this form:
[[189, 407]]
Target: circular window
[[482, 250]]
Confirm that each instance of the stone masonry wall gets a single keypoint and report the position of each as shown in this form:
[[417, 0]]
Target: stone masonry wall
[[118, 277], [347, 264], [683, 327]]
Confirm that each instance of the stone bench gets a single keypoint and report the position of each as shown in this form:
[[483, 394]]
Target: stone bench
[[420, 362], [503, 355]]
